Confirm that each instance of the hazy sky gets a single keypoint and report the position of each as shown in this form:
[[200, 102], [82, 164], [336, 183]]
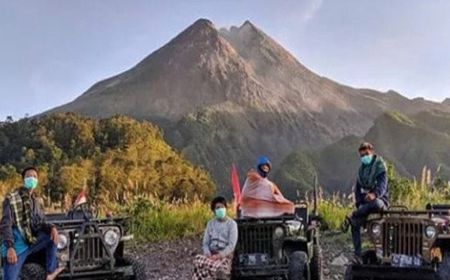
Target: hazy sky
[[52, 51]]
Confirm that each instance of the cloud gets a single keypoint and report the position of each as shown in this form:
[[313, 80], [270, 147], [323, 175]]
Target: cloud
[[311, 10]]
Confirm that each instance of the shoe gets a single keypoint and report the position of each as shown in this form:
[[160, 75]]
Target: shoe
[[356, 260], [55, 274]]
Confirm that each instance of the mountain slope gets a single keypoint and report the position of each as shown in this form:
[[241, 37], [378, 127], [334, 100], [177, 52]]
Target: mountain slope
[[409, 143], [227, 96]]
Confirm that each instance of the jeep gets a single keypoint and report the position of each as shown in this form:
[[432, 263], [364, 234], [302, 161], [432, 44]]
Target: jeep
[[88, 248], [285, 247], [406, 245]]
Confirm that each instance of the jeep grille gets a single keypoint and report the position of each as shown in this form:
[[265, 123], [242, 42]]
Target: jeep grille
[[405, 237], [256, 239]]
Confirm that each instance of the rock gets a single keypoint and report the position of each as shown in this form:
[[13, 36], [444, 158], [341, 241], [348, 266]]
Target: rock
[[340, 261]]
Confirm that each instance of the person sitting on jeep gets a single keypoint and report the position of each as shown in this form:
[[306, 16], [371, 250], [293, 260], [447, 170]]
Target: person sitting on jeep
[[219, 242], [260, 196], [371, 194], [24, 231]]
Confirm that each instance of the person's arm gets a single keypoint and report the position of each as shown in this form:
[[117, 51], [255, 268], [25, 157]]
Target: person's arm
[[206, 242], [233, 235], [6, 224], [359, 196], [40, 221], [275, 189], [381, 185]]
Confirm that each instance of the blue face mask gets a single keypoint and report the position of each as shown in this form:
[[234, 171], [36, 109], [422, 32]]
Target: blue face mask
[[30, 183], [220, 213], [367, 159]]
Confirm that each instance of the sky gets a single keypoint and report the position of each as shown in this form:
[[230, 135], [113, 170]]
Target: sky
[[51, 51]]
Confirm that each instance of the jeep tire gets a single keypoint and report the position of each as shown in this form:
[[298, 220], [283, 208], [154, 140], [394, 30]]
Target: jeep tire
[[317, 263], [443, 271], [139, 269], [32, 271], [298, 266]]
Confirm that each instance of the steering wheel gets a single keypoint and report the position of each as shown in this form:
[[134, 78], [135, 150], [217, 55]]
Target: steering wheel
[[84, 209]]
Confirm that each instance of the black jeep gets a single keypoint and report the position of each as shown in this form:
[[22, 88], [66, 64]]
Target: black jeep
[[285, 247], [88, 248], [406, 245]]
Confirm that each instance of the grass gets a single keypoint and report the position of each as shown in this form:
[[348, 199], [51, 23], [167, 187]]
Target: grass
[[155, 220], [333, 211]]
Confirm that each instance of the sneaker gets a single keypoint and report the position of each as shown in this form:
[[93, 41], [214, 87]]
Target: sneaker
[[356, 260]]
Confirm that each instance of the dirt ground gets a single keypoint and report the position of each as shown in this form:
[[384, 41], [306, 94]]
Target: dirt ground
[[173, 260]]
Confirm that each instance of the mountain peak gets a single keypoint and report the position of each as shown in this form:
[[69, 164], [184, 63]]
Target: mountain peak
[[199, 30], [203, 23], [248, 25]]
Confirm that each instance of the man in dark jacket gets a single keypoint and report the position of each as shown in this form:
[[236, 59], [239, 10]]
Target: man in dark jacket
[[371, 193], [24, 230]]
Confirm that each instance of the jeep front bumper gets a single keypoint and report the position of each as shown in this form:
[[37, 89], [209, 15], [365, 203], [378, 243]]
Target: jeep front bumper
[[122, 272], [381, 272]]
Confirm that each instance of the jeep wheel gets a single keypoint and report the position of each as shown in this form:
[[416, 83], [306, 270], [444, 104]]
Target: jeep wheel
[[443, 271], [298, 266], [139, 269], [317, 262], [33, 271]]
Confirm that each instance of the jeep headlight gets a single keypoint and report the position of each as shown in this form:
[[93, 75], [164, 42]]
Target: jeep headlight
[[111, 237], [62, 241], [279, 232], [376, 229], [294, 227], [430, 232]]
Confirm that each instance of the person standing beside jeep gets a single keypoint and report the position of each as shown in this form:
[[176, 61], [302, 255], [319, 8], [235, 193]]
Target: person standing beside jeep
[[219, 242], [371, 194], [24, 230]]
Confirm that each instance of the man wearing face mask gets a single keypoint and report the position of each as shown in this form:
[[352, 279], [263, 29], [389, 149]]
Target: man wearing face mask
[[260, 196], [219, 242], [371, 193], [24, 230]]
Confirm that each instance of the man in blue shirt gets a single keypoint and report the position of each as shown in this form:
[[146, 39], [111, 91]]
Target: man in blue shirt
[[24, 230], [371, 193]]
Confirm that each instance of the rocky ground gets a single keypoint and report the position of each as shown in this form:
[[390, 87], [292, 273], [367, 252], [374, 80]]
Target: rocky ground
[[173, 260]]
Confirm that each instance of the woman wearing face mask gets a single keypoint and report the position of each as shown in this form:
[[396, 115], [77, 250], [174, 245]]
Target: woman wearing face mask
[[371, 193], [219, 242], [260, 196]]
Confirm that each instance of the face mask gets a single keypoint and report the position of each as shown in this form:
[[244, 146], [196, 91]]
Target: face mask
[[263, 173], [30, 183], [220, 213], [366, 160]]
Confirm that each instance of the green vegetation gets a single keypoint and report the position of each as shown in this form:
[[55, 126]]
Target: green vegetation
[[297, 170], [114, 159], [156, 219]]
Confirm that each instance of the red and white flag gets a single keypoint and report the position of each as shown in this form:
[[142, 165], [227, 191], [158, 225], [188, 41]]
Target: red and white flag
[[81, 198]]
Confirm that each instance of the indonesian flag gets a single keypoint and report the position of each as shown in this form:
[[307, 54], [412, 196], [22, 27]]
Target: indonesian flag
[[236, 187], [81, 198]]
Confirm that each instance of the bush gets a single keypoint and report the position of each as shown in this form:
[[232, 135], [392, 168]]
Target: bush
[[155, 220]]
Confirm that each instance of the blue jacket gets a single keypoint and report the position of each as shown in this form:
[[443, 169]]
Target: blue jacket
[[380, 190]]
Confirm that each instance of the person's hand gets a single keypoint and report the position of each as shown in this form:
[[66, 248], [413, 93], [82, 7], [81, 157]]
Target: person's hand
[[370, 197], [54, 235], [215, 257], [11, 256]]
